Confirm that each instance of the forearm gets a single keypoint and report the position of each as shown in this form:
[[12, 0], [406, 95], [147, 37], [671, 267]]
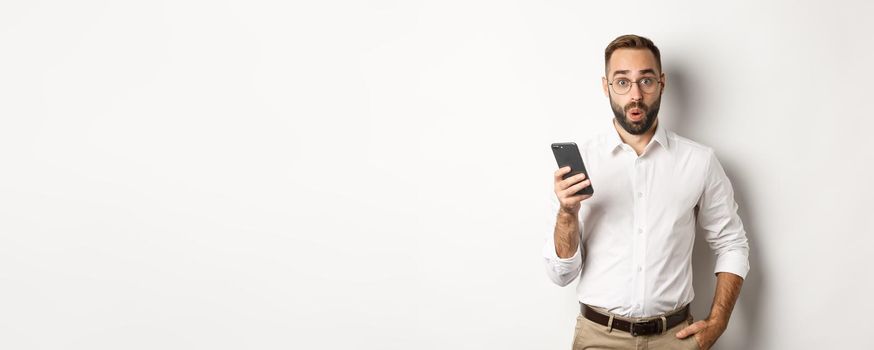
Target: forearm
[[728, 287], [566, 234]]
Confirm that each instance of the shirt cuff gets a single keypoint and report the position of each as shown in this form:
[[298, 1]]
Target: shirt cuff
[[559, 265], [735, 262]]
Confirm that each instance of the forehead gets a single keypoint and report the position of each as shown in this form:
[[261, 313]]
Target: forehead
[[632, 60]]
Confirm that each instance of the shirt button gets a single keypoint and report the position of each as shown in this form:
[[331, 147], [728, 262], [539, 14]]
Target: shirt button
[[639, 194], [640, 231], [639, 269]]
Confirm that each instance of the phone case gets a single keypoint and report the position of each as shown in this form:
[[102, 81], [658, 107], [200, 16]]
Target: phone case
[[567, 153]]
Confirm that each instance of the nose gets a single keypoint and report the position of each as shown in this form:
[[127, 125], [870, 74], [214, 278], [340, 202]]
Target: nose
[[636, 94]]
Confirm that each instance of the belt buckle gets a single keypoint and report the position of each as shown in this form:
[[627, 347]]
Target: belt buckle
[[641, 328]]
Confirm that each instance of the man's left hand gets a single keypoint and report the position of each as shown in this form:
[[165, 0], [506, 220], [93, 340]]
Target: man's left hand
[[705, 332]]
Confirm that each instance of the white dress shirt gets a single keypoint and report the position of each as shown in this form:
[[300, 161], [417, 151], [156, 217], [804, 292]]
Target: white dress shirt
[[638, 229]]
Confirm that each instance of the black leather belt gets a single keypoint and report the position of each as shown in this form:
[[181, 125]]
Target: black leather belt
[[653, 326]]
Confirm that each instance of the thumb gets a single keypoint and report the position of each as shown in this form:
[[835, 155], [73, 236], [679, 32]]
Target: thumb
[[691, 329]]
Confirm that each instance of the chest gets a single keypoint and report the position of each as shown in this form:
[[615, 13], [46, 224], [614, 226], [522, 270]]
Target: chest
[[662, 183]]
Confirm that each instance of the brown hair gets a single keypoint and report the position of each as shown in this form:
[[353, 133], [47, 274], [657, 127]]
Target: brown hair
[[631, 41]]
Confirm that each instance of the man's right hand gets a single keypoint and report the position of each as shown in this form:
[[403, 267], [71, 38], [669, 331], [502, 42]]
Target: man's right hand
[[565, 190]]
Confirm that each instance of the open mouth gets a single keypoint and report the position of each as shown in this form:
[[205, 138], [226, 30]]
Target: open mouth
[[635, 114]]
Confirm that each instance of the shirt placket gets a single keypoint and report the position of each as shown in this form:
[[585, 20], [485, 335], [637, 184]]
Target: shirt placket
[[641, 191]]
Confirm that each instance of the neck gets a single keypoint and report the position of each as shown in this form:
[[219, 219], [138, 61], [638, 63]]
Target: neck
[[637, 142]]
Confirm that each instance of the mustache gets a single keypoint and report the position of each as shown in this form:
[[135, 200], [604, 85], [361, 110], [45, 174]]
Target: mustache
[[639, 105]]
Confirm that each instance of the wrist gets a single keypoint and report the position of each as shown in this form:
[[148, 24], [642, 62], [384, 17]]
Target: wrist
[[568, 213], [719, 322]]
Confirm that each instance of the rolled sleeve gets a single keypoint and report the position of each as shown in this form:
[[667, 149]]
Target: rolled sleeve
[[561, 271], [717, 215]]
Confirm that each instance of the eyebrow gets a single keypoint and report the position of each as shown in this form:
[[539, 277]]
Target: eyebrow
[[642, 71]]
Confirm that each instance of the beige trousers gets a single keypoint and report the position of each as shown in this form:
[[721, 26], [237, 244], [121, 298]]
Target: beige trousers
[[589, 335]]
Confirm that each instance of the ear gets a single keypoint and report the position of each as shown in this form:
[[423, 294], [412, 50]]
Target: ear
[[664, 82], [605, 87]]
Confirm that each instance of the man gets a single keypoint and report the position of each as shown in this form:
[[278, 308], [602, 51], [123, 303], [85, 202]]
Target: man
[[630, 243]]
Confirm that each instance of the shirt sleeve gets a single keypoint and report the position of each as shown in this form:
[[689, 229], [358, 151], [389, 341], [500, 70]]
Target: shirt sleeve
[[561, 271], [717, 215]]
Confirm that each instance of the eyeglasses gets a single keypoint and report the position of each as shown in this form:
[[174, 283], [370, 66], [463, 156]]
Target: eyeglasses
[[622, 86]]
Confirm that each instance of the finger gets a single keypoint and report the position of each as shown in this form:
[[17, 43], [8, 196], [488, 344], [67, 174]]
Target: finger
[[576, 188], [691, 329], [570, 191], [572, 180], [560, 172], [580, 198], [561, 185]]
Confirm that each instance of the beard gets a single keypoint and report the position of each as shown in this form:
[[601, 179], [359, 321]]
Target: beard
[[650, 113]]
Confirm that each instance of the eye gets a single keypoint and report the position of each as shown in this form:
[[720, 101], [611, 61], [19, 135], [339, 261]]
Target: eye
[[647, 81], [622, 82]]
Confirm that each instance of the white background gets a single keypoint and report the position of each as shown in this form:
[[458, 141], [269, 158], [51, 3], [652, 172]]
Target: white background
[[376, 174]]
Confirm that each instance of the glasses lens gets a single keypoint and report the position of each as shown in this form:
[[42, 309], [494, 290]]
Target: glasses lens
[[648, 85], [621, 86]]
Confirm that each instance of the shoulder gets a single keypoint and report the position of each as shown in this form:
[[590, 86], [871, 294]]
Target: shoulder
[[688, 147], [594, 143]]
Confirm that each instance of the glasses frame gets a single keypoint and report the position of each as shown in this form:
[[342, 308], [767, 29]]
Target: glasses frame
[[659, 81]]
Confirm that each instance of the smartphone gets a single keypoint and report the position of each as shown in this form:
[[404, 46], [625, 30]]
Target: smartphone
[[567, 154]]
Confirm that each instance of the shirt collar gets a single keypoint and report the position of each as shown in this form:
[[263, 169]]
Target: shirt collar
[[613, 140]]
